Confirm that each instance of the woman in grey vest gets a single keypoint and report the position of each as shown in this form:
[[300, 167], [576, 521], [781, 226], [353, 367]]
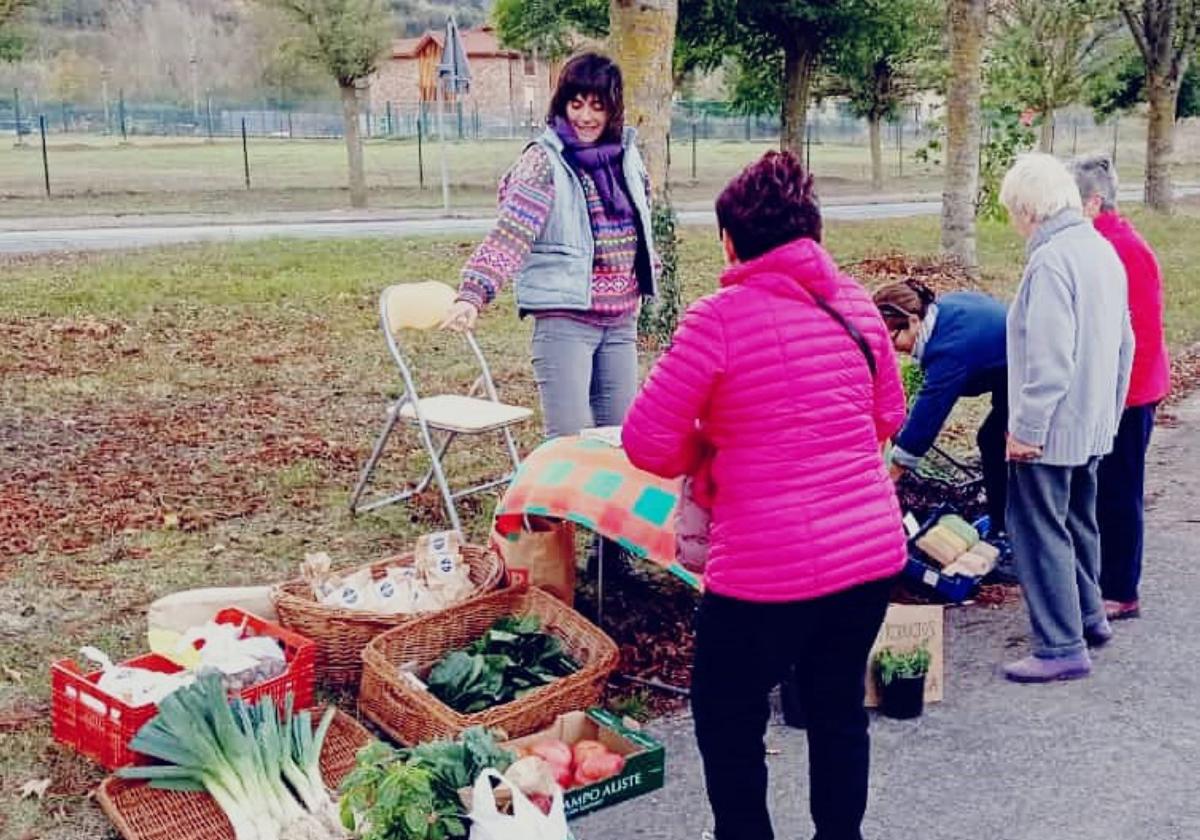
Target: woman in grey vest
[[573, 235]]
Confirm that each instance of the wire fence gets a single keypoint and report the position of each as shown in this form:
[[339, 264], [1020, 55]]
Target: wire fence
[[124, 148]]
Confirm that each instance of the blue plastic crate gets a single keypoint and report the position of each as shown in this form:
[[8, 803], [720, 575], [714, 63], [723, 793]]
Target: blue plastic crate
[[955, 588]]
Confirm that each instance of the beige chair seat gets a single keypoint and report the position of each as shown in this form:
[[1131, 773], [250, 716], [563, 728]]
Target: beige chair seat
[[465, 415]]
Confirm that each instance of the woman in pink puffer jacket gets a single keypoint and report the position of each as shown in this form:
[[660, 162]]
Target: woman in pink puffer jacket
[[789, 372]]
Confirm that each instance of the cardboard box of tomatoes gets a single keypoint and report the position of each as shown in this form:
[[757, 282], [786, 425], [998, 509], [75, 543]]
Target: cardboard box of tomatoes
[[597, 759]]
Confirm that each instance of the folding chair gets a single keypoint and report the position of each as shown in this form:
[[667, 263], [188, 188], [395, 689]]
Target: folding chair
[[442, 418]]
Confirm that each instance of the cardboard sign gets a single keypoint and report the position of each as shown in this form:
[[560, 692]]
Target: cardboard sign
[[905, 627]]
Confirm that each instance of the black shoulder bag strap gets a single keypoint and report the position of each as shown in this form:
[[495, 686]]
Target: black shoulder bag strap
[[854, 332]]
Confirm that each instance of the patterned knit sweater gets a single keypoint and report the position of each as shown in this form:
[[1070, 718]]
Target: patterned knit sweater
[[526, 196]]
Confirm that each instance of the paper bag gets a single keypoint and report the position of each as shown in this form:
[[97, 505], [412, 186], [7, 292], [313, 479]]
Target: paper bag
[[905, 627], [541, 554]]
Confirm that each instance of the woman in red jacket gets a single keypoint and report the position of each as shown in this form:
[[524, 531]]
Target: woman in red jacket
[[1120, 497], [779, 390]]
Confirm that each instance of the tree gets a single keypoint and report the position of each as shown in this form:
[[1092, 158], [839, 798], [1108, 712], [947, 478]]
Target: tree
[[967, 25], [1120, 85], [554, 28], [1165, 32], [12, 44], [873, 66], [347, 38], [550, 28], [1044, 53], [800, 33], [642, 41]]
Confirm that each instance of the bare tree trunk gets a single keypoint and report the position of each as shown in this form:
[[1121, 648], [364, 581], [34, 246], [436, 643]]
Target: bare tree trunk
[[1046, 133], [354, 146], [874, 122], [967, 20], [1160, 143], [642, 38], [799, 65]]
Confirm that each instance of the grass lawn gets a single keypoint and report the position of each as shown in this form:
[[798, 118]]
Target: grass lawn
[[99, 175], [196, 416]]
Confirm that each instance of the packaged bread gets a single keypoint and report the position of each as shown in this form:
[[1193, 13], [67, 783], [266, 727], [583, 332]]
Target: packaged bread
[[960, 528], [395, 594], [952, 539], [941, 546], [975, 564], [355, 592], [317, 570], [984, 549]]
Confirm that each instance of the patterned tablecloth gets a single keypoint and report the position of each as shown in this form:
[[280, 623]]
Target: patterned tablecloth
[[590, 482]]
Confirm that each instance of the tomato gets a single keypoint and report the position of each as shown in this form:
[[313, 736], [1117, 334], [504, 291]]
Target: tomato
[[596, 768], [583, 749], [553, 751]]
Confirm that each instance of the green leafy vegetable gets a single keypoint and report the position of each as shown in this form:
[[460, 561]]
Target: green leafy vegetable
[[510, 660], [412, 794]]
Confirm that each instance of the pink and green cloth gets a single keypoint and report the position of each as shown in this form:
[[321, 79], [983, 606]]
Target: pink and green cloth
[[592, 483]]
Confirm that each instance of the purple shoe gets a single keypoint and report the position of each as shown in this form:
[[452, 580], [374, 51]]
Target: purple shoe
[[1099, 635], [1034, 669]]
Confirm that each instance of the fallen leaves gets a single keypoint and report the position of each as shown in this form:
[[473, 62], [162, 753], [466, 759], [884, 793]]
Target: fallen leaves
[[941, 274], [16, 718], [34, 787]]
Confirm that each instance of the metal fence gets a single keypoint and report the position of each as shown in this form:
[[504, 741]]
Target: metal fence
[[214, 118]]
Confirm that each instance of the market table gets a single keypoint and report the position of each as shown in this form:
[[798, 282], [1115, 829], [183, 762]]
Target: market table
[[588, 480]]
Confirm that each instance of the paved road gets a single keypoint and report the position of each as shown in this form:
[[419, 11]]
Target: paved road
[[33, 236], [1113, 756]]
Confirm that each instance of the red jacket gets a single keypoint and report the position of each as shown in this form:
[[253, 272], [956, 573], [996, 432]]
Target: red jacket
[[1150, 380], [802, 505]]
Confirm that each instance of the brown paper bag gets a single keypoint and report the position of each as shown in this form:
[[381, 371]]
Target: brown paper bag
[[541, 554]]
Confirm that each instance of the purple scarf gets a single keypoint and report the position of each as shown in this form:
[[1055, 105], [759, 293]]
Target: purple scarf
[[602, 162]]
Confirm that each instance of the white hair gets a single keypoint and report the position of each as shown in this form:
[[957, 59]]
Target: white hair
[[1038, 186]]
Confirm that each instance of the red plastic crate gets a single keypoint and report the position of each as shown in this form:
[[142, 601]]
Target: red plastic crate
[[101, 727]]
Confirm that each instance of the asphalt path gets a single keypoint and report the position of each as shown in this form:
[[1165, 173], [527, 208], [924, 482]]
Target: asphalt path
[[1112, 756], [42, 236]]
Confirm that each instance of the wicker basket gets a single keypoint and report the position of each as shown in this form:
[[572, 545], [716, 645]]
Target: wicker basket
[[412, 715], [341, 634], [140, 812]]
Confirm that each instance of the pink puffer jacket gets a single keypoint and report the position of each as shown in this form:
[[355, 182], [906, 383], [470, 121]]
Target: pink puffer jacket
[[802, 505]]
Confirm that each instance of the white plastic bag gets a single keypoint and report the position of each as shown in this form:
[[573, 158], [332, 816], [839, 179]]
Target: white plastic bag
[[526, 822]]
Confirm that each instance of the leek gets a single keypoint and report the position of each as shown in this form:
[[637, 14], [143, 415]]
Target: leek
[[247, 757]]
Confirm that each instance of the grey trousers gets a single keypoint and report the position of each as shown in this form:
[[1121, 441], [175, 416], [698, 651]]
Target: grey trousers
[[586, 376], [1056, 543]]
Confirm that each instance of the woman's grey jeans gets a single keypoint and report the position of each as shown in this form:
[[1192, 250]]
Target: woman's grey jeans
[[1056, 543], [587, 376]]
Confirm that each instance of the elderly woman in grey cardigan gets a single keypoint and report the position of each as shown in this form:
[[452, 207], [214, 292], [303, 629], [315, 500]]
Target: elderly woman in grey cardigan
[[1070, 348]]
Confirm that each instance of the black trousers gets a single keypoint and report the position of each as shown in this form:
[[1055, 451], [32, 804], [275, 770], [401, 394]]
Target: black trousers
[[743, 650], [1120, 505], [992, 440]]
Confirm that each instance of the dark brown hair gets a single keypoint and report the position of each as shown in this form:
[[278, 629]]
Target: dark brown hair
[[897, 301], [591, 74], [771, 203]]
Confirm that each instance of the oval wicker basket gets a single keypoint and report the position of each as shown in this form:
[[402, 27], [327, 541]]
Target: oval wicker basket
[[140, 812], [412, 715], [341, 634]]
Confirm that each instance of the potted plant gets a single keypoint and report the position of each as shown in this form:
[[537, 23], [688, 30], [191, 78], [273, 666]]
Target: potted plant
[[900, 675]]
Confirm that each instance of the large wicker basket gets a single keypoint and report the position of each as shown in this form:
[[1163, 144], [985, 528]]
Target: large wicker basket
[[140, 812], [341, 634], [411, 714]]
